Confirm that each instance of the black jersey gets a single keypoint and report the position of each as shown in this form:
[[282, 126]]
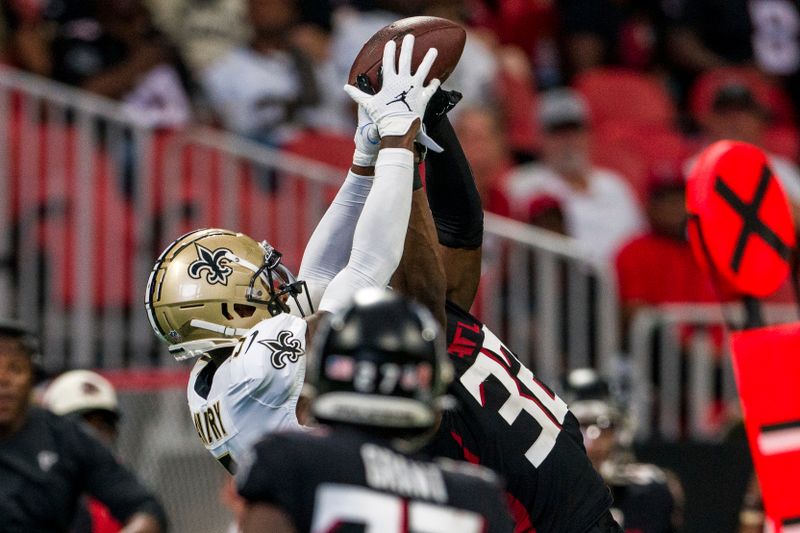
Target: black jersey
[[343, 480], [49, 463], [512, 423]]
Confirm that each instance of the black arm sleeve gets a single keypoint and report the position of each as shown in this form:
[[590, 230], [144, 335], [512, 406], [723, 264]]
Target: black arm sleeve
[[112, 483], [452, 193]]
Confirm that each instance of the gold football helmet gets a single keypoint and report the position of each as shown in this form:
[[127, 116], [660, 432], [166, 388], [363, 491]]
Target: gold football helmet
[[212, 285]]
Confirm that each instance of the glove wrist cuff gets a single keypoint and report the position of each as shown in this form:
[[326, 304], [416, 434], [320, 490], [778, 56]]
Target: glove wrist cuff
[[364, 159], [396, 126]]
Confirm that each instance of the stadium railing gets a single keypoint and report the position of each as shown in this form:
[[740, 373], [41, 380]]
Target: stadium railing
[[92, 195], [680, 370]]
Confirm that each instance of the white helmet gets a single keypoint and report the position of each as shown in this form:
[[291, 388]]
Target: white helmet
[[80, 391]]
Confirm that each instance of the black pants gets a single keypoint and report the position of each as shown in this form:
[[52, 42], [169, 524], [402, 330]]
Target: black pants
[[606, 524]]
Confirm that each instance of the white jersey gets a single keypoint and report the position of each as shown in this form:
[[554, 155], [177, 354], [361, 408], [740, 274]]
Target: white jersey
[[253, 392]]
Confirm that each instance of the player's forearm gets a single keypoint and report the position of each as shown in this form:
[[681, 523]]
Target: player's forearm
[[452, 193], [328, 249], [380, 232], [421, 274], [457, 213]]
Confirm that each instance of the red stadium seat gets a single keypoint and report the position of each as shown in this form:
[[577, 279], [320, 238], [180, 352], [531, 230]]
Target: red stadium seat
[[332, 148], [44, 183], [633, 149], [616, 94]]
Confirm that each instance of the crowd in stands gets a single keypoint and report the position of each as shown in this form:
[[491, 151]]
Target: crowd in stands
[[580, 116]]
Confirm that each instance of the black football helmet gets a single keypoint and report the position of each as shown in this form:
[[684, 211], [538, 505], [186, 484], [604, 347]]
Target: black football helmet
[[380, 364], [589, 398]]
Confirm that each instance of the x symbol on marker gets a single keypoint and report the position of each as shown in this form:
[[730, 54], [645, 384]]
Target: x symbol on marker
[[752, 222]]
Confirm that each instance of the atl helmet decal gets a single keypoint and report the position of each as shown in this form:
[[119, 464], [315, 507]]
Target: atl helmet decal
[[213, 262], [284, 348]]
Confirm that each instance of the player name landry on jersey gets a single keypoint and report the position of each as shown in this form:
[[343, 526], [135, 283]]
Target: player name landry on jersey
[[394, 473], [210, 424]]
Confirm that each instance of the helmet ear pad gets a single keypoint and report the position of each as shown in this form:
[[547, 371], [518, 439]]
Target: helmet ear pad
[[380, 363]]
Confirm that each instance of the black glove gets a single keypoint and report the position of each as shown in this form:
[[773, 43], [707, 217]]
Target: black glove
[[439, 105]]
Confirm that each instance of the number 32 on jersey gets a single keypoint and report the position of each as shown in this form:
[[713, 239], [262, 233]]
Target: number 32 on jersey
[[525, 394]]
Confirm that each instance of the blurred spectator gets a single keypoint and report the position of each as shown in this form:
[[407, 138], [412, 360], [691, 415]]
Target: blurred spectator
[[647, 499], [89, 398], [600, 209], [108, 47], [354, 24], [264, 90], [203, 30], [608, 32], [47, 461], [545, 212], [736, 114], [710, 33], [476, 74], [663, 252], [484, 142], [530, 26]]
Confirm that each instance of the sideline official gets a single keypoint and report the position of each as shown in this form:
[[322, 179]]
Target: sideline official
[[47, 461]]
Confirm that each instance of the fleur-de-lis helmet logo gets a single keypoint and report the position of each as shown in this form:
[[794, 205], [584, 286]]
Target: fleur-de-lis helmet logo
[[213, 262]]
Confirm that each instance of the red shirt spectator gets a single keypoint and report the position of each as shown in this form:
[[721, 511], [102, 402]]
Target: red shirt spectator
[[654, 269], [658, 267]]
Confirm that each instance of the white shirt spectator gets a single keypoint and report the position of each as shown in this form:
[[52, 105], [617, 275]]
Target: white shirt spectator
[[203, 31], [158, 100], [351, 29], [601, 218], [475, 75], [250, 92]]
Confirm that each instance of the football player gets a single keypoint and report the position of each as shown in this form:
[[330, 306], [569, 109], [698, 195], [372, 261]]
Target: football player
[[646, 498], [379, 368], [224, 297], [507, 419]]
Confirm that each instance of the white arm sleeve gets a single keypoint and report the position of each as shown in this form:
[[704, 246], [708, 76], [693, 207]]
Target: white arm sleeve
[[380, 232], [328, 249]]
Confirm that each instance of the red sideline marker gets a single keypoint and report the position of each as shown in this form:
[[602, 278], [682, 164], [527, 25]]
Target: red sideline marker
[[740, 220]]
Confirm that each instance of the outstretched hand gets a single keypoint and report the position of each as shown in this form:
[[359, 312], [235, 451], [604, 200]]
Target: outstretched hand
[[403, 97]]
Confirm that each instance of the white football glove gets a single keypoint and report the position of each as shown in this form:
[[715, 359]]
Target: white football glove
[[367, 140], [403, 97]]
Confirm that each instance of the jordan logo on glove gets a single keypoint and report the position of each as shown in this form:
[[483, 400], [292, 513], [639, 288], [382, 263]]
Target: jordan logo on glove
[[401, 98]]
